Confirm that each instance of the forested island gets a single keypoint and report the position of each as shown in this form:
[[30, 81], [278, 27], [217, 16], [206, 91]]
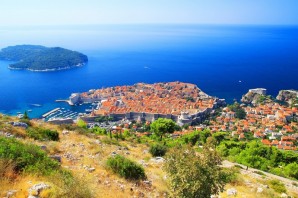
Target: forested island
[[41, 58]]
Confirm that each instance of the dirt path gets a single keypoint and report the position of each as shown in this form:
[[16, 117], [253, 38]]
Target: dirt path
[[252, 171]]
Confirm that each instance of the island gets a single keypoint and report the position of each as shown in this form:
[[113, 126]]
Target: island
[[41, 58]]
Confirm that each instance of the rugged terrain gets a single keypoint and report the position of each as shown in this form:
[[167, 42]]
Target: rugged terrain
[[85, 154], [289, 96]]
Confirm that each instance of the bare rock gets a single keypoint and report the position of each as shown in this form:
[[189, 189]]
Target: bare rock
[[97, 142], [157, 159], [91, 169], [253, 95], [147, 182], [35, 190], [65, 132], [283, 195], [145, 151], [288, 96], [260, 190], [231, 192], [56, 157], [43, 147], [11, 193]]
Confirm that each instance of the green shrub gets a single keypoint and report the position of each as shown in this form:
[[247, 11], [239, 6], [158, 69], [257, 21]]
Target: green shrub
[[42, 134], [27, 157], [82, 124], [278, 186], [126, 133], [99, 131], [82, 131], [110, 141], [69, 127], [191, 138], [126, 168], [231, 175], [158, 150], [80, 127], [291, 170]]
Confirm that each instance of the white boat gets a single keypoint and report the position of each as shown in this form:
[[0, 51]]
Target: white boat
[[36, 105]]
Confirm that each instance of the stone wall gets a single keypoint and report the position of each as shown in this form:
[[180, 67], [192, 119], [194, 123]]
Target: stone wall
[[61, 121], [197, 117], [260, 91]]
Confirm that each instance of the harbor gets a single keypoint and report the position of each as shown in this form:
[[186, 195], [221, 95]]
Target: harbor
[[66, 112], [60, 113]]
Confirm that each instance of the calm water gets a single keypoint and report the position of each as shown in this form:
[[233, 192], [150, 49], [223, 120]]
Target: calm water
[[224, 61]]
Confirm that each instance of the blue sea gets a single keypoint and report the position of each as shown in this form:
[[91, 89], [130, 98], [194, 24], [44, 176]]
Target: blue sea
[[224, 61]]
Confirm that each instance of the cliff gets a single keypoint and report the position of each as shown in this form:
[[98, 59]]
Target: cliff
[[40, 58], [253, 96], [288, 96]]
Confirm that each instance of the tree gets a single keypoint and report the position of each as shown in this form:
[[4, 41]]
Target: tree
[[219, 136], [204, 135], [26, 116], [239, 111], [192, 174], [291, 170], [158, 150], [162, 126]]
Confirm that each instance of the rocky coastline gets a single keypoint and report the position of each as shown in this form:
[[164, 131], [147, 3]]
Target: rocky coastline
[[49, 70]]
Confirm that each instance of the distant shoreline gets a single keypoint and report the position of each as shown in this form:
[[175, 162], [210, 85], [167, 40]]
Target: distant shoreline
[[49, 70]]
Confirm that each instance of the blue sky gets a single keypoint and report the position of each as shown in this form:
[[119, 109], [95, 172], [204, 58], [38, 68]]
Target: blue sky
[[63, 12]]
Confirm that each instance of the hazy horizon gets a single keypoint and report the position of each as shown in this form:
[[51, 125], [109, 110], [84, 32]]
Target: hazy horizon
[[66, 12]]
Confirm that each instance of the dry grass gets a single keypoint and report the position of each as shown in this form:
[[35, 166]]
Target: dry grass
[[249, 186], [7, 175], [102, 183], [21, 183]]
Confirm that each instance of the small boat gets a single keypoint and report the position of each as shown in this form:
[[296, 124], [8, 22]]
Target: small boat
[[36, 105]]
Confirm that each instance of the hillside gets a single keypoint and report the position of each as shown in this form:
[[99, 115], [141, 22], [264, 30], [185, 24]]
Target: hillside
[[40, 58], [30, 153]]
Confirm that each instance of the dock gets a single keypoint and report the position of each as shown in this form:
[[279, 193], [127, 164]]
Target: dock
[[62, 101], [53, 111]]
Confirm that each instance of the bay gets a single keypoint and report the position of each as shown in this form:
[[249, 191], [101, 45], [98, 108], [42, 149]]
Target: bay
[[224, 61]]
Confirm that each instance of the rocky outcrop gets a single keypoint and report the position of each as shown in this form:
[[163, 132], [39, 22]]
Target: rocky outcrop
[[253, 96], [288, 96], [34, 191]]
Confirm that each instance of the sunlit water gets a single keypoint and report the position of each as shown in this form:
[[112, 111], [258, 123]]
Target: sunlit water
[[224, 61]]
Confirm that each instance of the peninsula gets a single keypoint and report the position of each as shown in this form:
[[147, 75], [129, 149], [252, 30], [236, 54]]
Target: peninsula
[[183, 102], [40, 58]]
